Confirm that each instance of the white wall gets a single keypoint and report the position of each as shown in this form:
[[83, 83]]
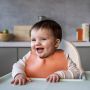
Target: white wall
[[69, 13]]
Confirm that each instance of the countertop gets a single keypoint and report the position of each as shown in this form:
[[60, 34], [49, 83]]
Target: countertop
[[27, 44]]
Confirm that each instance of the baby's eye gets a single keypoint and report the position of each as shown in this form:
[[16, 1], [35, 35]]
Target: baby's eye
[[33, 39], [44, 39]]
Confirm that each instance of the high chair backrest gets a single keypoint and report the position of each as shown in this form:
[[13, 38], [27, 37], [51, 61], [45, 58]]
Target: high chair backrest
[[70, 49]]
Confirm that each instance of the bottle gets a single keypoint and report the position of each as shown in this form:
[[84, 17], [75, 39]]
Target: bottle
[[85, 27], [79, 34]]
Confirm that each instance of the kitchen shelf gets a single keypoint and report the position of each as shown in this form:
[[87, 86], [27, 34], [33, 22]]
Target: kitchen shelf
[[15, 44], [81, 44]]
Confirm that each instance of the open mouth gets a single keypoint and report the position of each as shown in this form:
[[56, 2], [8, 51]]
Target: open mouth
[[39, 50]]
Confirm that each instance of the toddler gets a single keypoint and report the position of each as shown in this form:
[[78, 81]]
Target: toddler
[[45, 60]]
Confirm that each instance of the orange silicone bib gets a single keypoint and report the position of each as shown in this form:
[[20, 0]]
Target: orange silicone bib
[[41, 68]]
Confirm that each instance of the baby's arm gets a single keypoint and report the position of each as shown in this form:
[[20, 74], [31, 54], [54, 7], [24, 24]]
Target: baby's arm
[[18, 74], [73, 71]]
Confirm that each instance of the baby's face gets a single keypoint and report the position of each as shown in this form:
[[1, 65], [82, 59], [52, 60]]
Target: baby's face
[[43, 42]]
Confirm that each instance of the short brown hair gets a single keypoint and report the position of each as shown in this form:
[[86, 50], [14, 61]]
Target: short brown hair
[[51, 25]]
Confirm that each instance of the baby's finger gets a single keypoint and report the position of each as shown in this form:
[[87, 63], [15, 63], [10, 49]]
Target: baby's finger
[[16, 82], [50, 79], [23, 82], [28, 79], [57, 78], [12, 81], [53, 79]]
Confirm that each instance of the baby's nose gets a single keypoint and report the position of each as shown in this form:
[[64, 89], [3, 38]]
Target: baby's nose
[[37, 42]]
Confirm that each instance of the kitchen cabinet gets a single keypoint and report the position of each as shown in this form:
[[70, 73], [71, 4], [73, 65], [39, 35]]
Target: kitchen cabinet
[[8, 56], [85, 57], [84, 51], [22, 52]]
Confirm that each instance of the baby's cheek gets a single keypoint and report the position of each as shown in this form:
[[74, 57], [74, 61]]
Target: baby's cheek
[[32, 45]]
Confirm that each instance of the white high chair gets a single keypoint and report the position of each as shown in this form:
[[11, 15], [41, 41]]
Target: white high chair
[[70, 49]]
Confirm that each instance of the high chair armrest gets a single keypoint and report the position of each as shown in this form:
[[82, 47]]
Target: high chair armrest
[[83, 76]]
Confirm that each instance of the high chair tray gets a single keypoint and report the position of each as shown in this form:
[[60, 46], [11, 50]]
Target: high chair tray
[[41, 84]]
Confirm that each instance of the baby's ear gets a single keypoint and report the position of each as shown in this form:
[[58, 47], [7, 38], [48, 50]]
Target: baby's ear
[[57, 43]]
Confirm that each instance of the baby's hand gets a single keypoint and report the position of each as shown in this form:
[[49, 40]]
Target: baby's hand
[[53, 78], [20, 79]]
